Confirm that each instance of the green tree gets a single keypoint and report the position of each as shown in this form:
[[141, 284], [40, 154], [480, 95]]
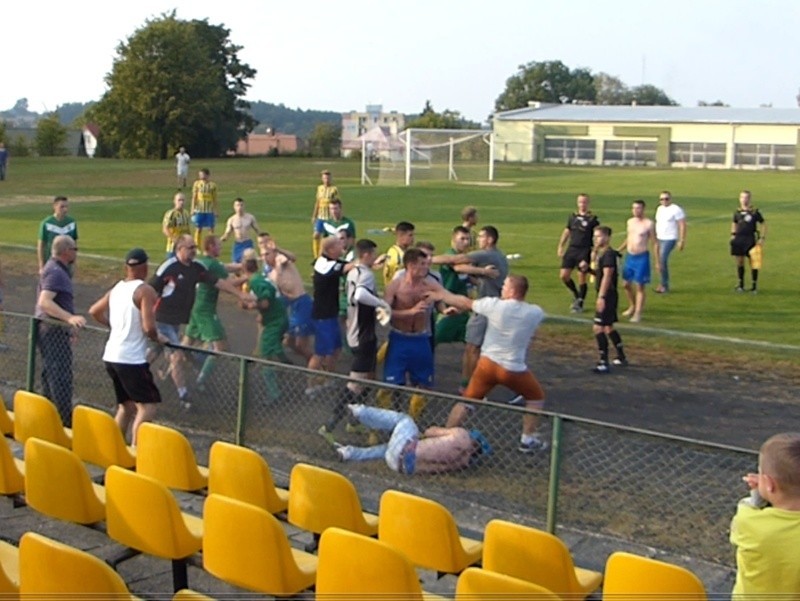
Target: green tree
[[430, 119], [610, 89], [2, 131], [648, 95], [19, 147], [548, 81], [51, 136], [325, 139], [175, 83]]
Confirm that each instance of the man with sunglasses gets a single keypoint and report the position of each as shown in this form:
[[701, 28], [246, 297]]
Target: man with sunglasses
[[670, 232]]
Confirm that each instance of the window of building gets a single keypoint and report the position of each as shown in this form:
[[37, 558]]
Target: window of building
[[629, 152], [764, 156], [569, 150], [697, 153]]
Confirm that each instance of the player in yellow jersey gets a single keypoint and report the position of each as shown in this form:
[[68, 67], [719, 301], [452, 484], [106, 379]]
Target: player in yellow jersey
[[326, 192], [204, 205], [176, 222], [392, 259]]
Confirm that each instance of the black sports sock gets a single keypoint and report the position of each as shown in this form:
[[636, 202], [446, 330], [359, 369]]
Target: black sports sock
[[602, 346], [754, 273], [571, 285], [583, 289], [740, 273], [616, 340]]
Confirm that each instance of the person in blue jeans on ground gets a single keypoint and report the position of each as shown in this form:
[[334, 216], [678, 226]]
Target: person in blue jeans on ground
[[409, 451], [670, 232]]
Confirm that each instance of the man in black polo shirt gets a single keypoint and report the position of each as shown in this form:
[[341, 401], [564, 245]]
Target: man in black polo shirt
[[175, 282], [579, 230]]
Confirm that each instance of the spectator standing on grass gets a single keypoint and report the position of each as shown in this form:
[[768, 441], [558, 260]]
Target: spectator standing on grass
[[3, 161], [574, 246], [182, 160], [129, 310], [204, 205], [176, 281], [57, 224], [176, 222], [606, 275], [636, 269], [670, 232], [766, 527], [511, 325], [746, 240], [326, 192], [469, 219], [56, 301], [239, 224]]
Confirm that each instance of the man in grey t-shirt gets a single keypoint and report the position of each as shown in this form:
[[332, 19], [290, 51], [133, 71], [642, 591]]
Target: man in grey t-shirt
[[487, 254]]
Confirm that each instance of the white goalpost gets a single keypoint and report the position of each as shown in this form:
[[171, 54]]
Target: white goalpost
[[428, 155]]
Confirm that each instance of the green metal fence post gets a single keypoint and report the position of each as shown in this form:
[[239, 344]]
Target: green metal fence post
[[241, 408], [555, 468], [33, 332]]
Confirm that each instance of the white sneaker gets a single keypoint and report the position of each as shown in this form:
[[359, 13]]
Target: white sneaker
[[344, 452]]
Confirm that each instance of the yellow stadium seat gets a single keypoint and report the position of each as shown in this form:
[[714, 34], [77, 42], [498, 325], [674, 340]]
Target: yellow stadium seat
[[246, 546], [141, 513], [37, 416], [190, 595], [321, 498], [9, 571], [165, 454], [632, 575], [426, 532], [97, 439], [58, 484], [48, 567], [536, 556], [6, 419], [475, 583], [354, 564], [243, 474], [12, 471]]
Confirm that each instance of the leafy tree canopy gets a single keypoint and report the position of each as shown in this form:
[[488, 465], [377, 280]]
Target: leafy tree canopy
[[430, 119], [175, 83]]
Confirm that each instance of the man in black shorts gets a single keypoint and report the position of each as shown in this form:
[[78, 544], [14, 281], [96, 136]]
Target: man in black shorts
[[362, 302], [606, 273], [746, 241], [578, 232]]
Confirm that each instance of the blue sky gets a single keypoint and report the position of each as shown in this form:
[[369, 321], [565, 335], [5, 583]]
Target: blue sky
[[457, 54]]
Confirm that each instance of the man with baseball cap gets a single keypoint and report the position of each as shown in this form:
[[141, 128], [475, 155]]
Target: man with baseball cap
[[129, 310]]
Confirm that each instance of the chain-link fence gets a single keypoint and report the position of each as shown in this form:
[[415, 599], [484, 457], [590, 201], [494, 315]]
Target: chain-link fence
[[671, 494]]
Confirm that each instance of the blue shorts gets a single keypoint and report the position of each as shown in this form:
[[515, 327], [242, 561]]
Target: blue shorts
[[637, 268], [319, 226], [239, 248], [409, 354], [327, 336], [300, 322], [204, 220]]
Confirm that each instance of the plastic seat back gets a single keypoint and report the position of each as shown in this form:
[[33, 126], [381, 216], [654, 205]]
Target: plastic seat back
[[246, 546], [58, 484], [166, 455], [97, 439], [475, 583], [36, 416], [628, 574], [48, 567], [351, 563], [321, 498], [426, 532], [243, 474], [6, 420], [142, 513], [12, 475], [9, 571], [536, 556], [190, 595]]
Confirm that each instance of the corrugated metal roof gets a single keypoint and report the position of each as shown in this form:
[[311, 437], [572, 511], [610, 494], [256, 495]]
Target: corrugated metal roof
[[653, 114]]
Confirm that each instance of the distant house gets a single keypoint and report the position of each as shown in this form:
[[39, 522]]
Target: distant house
[[660, 136], [89, 137], [356, 124], [267, 143]]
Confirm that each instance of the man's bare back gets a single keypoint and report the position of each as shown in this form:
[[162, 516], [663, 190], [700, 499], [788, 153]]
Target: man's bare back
[[287, 278], [443, 449], [639, 233]]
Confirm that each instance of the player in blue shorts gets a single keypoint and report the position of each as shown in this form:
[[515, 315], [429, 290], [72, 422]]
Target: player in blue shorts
[[636, 270]]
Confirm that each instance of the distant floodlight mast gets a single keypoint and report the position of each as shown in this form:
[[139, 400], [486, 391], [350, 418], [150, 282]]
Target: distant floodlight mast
[[427, 155]]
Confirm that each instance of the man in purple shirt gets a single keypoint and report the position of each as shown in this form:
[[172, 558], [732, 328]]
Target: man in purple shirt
[[55, 302]]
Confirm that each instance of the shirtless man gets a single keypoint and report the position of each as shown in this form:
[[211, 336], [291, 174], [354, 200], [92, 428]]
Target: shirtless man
[[239, 224], [636, 269], [410, 354], [283, 272], [437, 450]]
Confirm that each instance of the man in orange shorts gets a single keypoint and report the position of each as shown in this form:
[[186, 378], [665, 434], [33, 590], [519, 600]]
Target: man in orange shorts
[[512, 323]]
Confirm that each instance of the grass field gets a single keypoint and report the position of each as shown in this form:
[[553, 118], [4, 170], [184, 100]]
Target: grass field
[[119, 204]]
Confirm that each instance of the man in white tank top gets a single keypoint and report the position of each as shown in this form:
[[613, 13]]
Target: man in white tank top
[[129, 310]]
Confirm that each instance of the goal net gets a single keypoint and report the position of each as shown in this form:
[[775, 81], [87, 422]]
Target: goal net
[[433, 155]]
